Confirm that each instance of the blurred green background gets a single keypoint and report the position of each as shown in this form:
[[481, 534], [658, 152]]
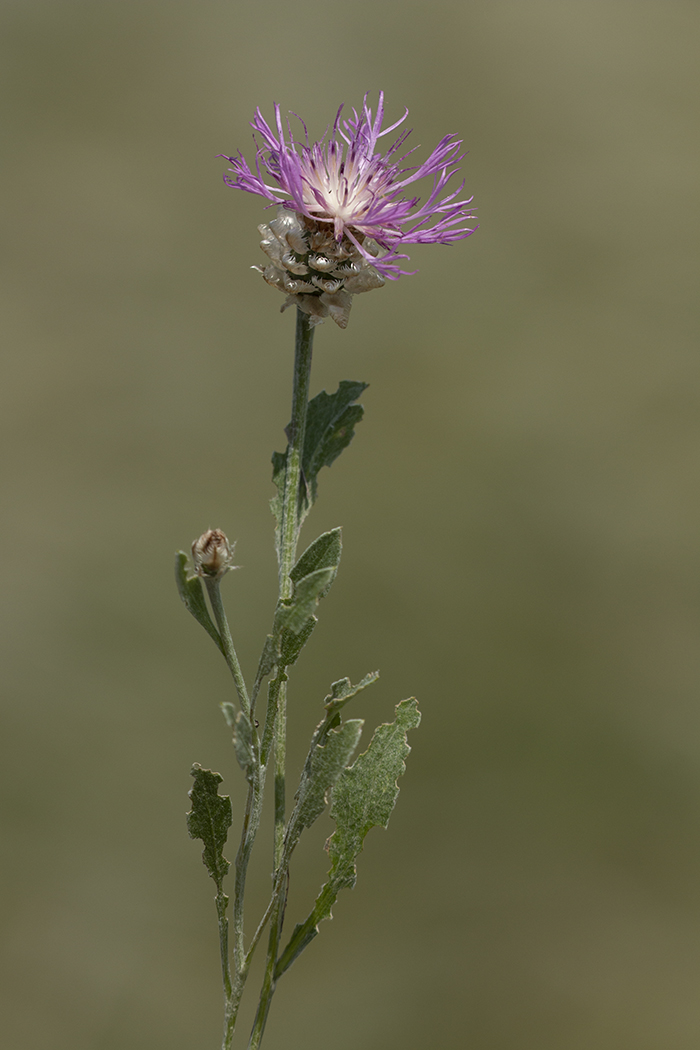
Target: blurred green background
[[520, 508]]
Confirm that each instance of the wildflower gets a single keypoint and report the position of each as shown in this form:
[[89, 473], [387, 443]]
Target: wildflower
[[212, 554], [343, 214]]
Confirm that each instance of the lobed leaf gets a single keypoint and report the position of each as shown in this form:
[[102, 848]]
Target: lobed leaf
[[330, 427], [366, 793], [343, 690], [209, 820], [363, 797], [324, 764]]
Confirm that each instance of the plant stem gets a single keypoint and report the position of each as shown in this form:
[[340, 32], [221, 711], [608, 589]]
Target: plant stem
[[234, 666], [249, 830], [229, 1021], [289, 535], [289, 530], [269, 981]]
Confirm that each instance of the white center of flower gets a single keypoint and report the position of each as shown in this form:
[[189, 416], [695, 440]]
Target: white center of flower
[[339, 189]]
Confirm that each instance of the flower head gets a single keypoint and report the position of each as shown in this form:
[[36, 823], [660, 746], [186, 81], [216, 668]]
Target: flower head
[[212, 554], [345, 214]]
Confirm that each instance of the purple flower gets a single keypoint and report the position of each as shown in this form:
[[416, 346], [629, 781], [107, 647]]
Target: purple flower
[[353, 216]]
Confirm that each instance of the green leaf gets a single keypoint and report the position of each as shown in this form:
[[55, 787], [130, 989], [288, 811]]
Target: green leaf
[[243, 743], [312, 577], [330, 427], [239, 722], [192, 594], [229, 713], [344, 690], [209, 820], [291, 642], [325, 763], [268, 658], [307, 593], [366, 793], [363, 797], [323, 553]]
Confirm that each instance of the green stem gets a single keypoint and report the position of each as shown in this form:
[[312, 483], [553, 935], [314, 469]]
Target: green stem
[[289, 530], [288, 537], [249, 830], [280, 777], [221, 903], [234, 666], [269, 980]]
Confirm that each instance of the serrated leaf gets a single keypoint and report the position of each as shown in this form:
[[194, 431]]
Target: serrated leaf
[[363, 797], [307, 593], [343, 690], [209, 820], [330, 427], [366, 793], [324, 764], [323, 553], [192, 594]]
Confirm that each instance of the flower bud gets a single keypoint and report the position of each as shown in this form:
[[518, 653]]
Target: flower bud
[[212, 554]]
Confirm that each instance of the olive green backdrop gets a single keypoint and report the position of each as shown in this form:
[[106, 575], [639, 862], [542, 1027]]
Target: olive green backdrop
[[520, 508]]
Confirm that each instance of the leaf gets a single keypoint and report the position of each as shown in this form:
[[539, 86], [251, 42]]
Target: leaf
[[239, 722], [307, 593], [312, 577], [209, 820], [192, 594], [243, 743], [330, 427], [324, 764], [363, 797], [268, 658], [344, 690], [291, 642], [323, 553], [366, 793]]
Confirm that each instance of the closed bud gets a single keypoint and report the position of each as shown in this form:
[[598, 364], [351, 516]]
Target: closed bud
[[212, 554]]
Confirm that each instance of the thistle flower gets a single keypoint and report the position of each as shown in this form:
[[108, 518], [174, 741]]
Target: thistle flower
[[343, 214]]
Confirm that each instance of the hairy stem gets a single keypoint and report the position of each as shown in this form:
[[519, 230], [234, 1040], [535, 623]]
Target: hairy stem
[[289, 535], [234, 666], [289, 531]]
